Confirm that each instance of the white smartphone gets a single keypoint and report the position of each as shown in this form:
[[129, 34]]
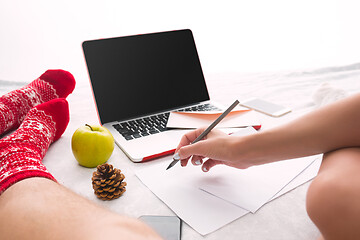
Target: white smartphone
[[266, 107]]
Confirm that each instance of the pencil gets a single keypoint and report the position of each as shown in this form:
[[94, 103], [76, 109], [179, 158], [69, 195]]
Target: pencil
[[176, 156]]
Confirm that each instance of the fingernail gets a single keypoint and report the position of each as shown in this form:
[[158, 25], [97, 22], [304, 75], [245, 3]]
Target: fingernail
[[197, 162], [205, 169], [176, 156]]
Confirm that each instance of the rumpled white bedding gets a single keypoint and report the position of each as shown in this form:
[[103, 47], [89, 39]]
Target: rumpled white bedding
[[283, 218]]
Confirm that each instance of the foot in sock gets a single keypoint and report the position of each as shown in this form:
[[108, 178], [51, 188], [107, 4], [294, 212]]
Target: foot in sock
[[15, 105], [21, 152]]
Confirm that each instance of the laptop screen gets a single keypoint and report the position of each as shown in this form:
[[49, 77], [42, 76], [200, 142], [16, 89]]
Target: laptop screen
[[138, 75]]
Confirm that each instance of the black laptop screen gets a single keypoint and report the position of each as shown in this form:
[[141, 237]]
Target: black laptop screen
[[142, 74]]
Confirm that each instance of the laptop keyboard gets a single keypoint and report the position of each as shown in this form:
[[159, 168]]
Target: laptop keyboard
[[154, 124]]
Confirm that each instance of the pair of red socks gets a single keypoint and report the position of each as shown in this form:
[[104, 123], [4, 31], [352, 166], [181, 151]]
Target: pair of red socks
[[41, 114]]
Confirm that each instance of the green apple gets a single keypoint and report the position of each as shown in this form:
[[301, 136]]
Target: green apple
[[92, 145]]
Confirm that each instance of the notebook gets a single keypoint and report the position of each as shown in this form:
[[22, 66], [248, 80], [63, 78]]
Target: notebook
[[137, 80]]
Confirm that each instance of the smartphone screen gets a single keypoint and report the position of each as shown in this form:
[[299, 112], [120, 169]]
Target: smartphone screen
[[266, 107], [168, 227]]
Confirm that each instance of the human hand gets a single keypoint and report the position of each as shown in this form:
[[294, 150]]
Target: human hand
[[217, 146]]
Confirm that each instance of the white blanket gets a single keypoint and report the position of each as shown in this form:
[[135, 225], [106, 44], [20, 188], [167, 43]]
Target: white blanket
[[285, 216]]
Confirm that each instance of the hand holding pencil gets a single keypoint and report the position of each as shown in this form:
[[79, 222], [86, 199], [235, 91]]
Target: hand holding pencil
[[212, 148]]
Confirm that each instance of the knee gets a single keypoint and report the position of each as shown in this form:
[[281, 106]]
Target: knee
[[330, 205], [322, 197], [329, 191], [332, 200]]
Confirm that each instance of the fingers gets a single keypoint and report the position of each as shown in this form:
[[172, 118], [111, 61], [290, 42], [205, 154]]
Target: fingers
[[210, 163], [184, 162], [195, 151], [198, 151], [187, 139], [205, 148], [196, 160]]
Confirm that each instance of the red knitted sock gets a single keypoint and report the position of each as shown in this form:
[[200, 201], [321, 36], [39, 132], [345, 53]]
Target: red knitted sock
[[15, 105], [21, 152]]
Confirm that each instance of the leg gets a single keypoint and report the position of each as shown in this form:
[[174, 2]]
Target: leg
[[333, 200], [21, 152], [16, 104], [38, 208]]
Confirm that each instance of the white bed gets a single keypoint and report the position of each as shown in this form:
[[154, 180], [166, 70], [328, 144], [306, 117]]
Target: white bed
[[283, 218]]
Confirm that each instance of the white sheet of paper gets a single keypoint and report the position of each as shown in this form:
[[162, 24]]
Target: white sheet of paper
[[177, 188], [309, 173], [253, 187], [202, 211], [196, 120]]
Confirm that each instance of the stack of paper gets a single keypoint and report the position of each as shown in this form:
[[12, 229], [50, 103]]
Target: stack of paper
[[240, 117], [208, 201]]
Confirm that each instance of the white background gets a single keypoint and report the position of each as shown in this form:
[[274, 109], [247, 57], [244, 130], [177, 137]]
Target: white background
[[231, 36]]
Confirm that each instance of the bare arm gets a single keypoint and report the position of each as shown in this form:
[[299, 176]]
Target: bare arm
[[331, 127]]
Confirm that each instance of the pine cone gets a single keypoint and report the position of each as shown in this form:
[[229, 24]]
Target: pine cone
[[108, 182]]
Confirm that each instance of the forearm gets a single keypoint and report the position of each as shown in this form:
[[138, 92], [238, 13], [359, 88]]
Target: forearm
[[332, 127]]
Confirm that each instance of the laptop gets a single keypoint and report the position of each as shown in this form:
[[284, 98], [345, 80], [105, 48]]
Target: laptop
[[138, 80]]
